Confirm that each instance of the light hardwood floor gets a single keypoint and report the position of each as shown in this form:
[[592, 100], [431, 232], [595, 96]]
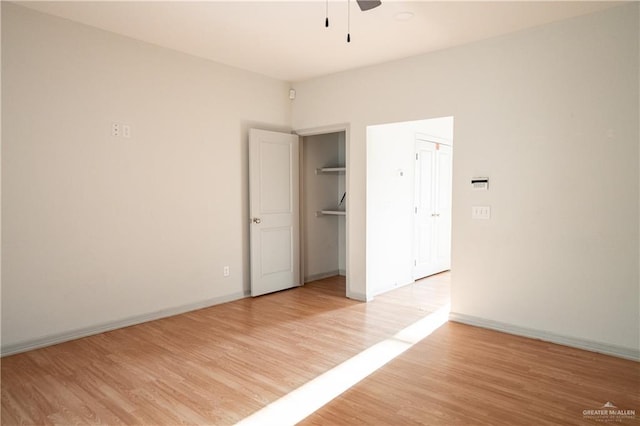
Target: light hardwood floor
[[221, 364]]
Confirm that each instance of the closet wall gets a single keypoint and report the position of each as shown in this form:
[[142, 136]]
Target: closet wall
[[323, 235]]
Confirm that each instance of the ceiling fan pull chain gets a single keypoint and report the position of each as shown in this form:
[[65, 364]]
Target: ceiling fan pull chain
[[326, 20], [348, 21]]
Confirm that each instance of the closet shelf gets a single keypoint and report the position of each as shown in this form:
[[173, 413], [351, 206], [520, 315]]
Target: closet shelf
[[330, 170], [331, 213]]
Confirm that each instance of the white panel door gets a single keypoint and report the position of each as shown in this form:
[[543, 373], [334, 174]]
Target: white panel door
[[274, 209], [432, 236], [442, 240], [425, 209]]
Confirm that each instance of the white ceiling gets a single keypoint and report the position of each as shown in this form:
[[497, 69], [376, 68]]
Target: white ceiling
[[288, 40]]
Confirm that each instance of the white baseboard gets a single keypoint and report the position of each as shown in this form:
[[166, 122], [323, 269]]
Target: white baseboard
[[391, 288], [360, 297], [316, 277], [603, 348], [342, 272], [113, 325]]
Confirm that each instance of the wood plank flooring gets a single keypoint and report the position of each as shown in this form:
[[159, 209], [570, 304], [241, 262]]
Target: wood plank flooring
[[463, 375], [218, 365]]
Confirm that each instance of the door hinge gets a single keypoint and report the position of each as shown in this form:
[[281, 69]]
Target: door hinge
[[415, 263], [415, 210], [416, 155]]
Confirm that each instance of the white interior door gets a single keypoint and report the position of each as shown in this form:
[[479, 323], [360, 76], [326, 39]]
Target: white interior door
[[274, 209], [432, 236], [442, 249], [424, 209]]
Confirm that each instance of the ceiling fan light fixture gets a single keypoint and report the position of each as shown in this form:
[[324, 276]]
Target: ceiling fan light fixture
[[363, 4]]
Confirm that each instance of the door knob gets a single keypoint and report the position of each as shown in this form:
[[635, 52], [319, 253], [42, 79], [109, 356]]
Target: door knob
[[256, 220]]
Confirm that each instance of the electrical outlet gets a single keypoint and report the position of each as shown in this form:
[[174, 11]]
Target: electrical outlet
[[115, 129], [126, 131], [225, 271]]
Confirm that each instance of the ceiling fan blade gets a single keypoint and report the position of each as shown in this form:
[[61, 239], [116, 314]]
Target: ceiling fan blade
[[368, 4]]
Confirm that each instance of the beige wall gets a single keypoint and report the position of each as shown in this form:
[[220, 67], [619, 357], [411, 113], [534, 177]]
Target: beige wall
[[551, 116], [98, 229]]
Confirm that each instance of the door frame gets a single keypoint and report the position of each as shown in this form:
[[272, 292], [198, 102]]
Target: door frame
[[322, 130]]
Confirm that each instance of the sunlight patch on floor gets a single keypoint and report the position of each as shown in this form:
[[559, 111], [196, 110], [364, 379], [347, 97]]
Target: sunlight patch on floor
[[302, 402]]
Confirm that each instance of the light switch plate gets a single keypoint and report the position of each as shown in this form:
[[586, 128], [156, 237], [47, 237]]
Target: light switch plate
[[481, 212]]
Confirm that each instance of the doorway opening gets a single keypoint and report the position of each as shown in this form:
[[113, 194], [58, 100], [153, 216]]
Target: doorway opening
[[323, 202], [409, 177], [324, 205]]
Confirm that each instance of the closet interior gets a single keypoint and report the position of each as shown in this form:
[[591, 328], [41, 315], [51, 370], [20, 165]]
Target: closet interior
[[324, 206]]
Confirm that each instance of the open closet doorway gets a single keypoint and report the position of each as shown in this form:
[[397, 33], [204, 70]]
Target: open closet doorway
[[324, 206], [408, 201]]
